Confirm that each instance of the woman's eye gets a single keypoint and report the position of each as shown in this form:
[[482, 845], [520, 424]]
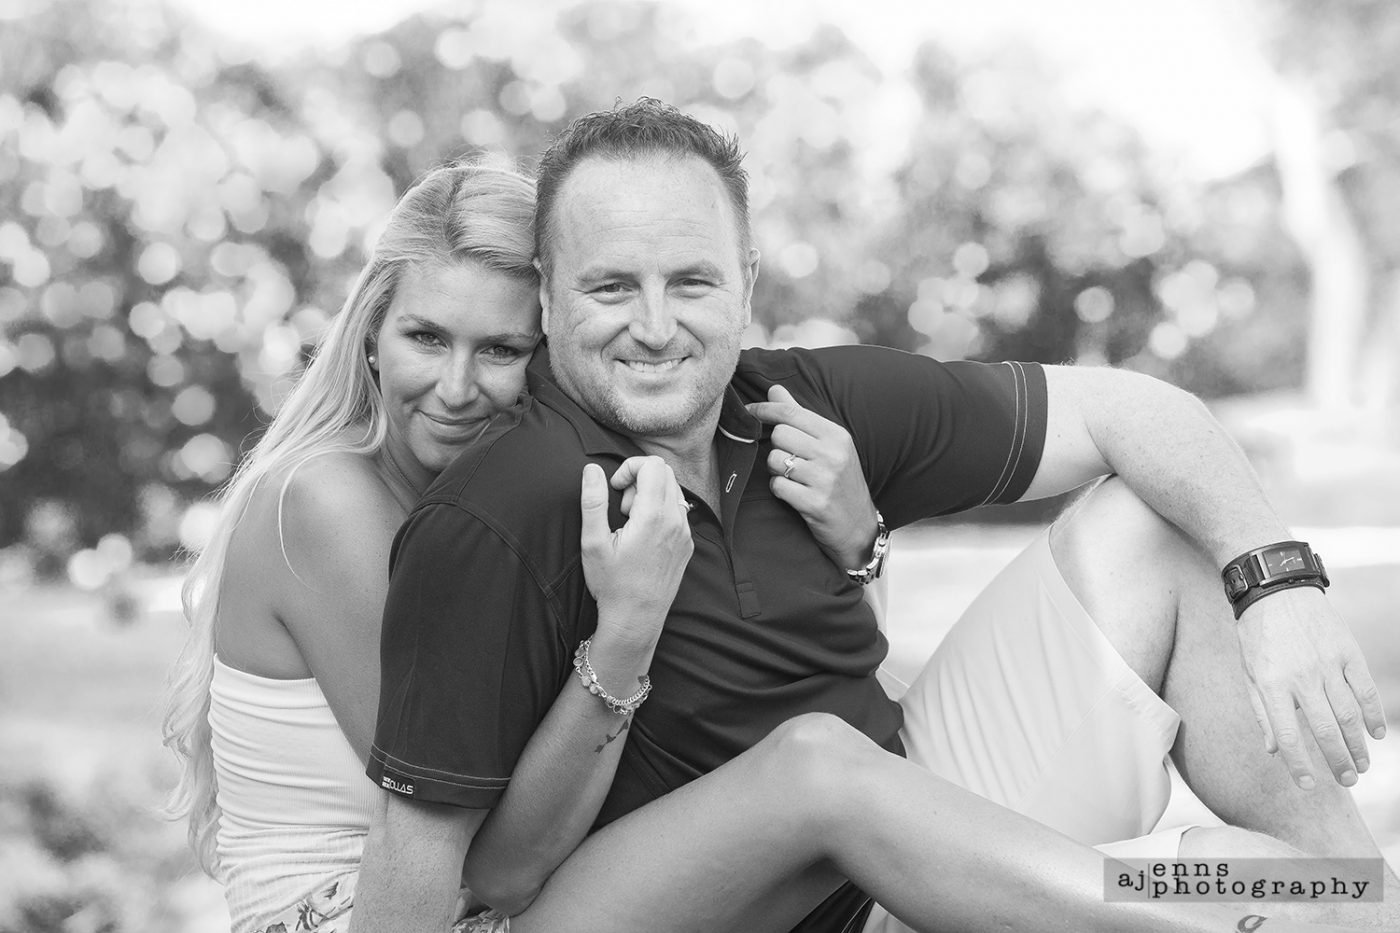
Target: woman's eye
[[504, 352], [425, 337]]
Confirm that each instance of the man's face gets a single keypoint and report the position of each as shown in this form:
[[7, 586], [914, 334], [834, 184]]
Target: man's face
[[648, 296]]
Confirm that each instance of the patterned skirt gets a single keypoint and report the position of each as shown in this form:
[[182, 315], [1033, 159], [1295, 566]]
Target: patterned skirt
[[328, 911]]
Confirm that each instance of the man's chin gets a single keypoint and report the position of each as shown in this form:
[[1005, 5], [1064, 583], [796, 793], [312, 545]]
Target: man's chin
[[646, 421]]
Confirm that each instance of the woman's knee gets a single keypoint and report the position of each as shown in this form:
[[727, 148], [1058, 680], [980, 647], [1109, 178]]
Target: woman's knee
[[820, 757], [1216, 842]]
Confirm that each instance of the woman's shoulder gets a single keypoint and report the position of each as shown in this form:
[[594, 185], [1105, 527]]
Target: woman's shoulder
[[329, 494]]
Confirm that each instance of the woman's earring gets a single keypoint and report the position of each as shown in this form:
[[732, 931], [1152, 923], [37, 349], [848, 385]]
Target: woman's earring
[[372, 360]]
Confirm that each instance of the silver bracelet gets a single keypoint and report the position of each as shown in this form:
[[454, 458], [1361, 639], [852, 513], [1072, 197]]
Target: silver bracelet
[[589, 678]]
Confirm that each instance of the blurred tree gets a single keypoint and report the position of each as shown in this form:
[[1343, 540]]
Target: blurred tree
[[1338, 146], [1031, 229], [178, 222], [152, 261]]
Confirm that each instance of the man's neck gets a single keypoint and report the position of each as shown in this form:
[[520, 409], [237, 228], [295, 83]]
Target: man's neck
[[694, 460]]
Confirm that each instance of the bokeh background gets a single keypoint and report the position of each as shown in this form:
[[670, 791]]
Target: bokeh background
[[1204, 191]]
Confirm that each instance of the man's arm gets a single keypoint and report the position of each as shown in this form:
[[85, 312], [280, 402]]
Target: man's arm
[[412, 862], [1177, 458]]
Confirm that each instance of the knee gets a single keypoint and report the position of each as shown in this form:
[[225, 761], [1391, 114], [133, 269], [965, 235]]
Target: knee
[[1217, 842], [820, 758], [1110, 524]]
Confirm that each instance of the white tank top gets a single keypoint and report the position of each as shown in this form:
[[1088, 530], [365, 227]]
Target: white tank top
[[295, 799]]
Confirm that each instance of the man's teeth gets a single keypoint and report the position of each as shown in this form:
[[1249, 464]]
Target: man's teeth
[[642, 366]]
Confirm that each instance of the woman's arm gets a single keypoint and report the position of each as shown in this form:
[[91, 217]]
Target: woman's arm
[[816, 471], [567, 768], [326, 551]]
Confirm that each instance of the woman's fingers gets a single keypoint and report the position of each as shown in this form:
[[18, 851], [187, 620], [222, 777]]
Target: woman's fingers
[[593, 502]]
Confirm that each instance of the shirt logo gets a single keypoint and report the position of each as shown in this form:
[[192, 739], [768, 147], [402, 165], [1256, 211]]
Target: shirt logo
[[404, 787]]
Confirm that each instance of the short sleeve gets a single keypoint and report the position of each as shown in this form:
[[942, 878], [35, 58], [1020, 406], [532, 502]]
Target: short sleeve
[[934, 438], [471, 660]]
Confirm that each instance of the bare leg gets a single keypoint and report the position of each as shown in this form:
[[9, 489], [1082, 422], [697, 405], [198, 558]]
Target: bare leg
[[1158, 600], [759, 842]]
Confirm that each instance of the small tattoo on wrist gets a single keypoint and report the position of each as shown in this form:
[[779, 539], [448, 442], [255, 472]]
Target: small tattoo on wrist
[[609, 740]]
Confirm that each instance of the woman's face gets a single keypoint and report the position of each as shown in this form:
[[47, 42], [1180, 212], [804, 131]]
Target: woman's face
[[451, 354]]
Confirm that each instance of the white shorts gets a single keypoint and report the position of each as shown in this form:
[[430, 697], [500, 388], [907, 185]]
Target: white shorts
[[1026, 703]]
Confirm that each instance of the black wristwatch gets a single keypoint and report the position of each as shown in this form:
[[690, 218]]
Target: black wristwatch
[[1264, 570], [872, 570]]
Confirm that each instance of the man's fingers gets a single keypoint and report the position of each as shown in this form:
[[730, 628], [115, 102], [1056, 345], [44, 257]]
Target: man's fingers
[[1261, 717], [1368, 698], [1348, 716], [1289, 737], [1328, 734], [593, 503]]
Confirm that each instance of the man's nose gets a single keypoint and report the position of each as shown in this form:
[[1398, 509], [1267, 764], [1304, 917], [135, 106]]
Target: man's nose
[[653, 322], [457, 382]]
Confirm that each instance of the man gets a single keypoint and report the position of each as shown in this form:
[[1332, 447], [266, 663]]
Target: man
[[646, 277]]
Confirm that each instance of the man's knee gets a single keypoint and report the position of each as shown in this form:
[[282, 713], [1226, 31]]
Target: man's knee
[[1125, 565], [1110, 516], [1110, 537]]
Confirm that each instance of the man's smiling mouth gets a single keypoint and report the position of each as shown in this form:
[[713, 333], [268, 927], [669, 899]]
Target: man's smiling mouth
[[652, 366]]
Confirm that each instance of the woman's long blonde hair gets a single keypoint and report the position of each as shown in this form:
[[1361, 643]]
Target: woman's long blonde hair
[[457, 212]]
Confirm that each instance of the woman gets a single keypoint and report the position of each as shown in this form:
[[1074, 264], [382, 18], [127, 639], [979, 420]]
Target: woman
[[276, 691]]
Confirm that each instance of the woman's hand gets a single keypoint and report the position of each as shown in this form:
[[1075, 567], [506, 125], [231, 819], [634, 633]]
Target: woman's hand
[[634, 572], [816, 471]]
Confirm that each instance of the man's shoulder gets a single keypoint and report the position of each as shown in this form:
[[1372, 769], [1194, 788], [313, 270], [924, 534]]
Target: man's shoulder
[[821, 372], [816, 362], [526, 461]]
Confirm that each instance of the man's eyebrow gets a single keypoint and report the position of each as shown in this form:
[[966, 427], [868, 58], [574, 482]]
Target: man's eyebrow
[[702, 267], [513, 335], [599, 272]]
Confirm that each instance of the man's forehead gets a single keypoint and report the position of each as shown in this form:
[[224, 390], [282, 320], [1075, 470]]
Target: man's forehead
[[669, 197], [603, 179]]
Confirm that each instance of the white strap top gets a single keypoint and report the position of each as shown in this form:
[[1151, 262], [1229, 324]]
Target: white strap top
[[295, 799]]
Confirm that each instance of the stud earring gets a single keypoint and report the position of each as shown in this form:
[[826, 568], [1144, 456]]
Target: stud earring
[[372, 360]]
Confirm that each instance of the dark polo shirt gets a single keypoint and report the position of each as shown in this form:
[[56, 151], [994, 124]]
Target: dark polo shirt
[[487, 599]]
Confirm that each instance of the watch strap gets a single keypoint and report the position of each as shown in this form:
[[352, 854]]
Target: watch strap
[[876, 566], [1248, 579]]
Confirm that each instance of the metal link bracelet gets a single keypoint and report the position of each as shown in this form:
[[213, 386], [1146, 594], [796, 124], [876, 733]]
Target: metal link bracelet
[[589, 678]]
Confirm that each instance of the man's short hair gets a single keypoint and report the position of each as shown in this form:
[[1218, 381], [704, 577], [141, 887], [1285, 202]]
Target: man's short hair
[[630, 131]]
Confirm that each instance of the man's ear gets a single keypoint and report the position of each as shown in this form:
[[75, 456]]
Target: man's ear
[[544, 298], [750, 277]]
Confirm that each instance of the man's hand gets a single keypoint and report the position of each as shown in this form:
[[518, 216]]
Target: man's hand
[[1299, 653], [634, 572], [816, 471]]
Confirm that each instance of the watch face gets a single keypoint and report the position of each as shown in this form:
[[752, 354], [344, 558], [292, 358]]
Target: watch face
[[1284, 560]]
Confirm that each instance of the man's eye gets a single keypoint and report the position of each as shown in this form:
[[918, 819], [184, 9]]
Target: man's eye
[[694, 283], [610, 288]]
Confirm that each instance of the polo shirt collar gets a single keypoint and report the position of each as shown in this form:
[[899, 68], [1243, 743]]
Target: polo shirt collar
[[735, 421]]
